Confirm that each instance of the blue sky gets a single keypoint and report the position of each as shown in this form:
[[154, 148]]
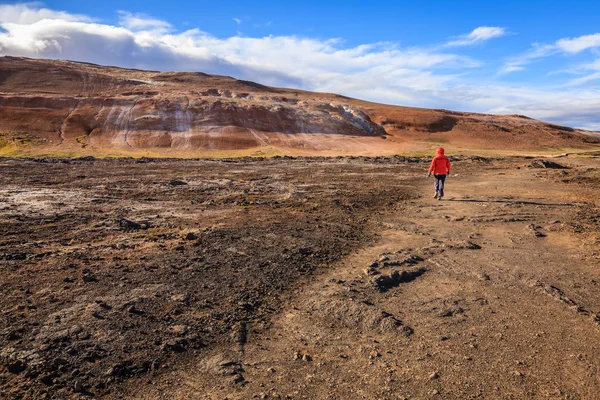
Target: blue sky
[[539, 58]]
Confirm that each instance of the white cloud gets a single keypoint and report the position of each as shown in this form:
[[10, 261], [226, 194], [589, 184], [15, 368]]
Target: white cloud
[[579, 44], [478, 35], [29, 13], [510, 67], [238, 21], [564, 46], [142, 22]]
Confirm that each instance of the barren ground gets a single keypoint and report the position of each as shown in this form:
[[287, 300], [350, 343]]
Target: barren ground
[[306, 278]]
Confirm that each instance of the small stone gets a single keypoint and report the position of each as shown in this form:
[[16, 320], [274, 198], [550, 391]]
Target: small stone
[[181, 298], [434, 375], [14, 335], [374, 354], [271, 370], [77, 386], [191, 236], [435, 392], [297, 356], [16, 367], [96, 314], [89, 277], [305, 251], [306, 357], [177, 346], [131, 309], [59, 361], [177, 182], [238, 379], [179, 330]]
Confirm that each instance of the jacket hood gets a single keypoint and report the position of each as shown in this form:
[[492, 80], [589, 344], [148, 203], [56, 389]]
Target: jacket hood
[[440, 151]]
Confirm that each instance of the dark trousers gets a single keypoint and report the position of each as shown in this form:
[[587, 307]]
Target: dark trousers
[[439, 184]]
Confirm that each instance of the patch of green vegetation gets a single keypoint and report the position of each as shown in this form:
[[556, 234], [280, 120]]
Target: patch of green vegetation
[[436, 139]]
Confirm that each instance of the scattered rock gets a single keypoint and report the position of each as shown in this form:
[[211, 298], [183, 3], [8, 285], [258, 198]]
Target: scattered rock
[[238, 379], [191, 236], [14, 334], [127, 224], [305, 251], [181, 298], [132, 309], [547, 164], [472, 246], [88, 276], [434, 375], [16, 367], [307, 357], [484, 277], [97, 315], [176, 345], [176, 182], [385, 282], [179, 330], [450, 312], [57, 362], [77, 386]]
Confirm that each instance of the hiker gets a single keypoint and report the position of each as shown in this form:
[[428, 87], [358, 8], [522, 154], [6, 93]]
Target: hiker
[[440, 166]]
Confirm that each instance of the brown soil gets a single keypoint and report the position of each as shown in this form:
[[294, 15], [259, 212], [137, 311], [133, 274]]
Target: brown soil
[[305, 278]]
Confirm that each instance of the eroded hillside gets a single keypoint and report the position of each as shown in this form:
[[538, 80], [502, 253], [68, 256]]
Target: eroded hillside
[[67, 108]]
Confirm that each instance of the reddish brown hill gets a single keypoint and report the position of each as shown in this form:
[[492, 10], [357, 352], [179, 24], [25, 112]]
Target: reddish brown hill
[[68, 108]]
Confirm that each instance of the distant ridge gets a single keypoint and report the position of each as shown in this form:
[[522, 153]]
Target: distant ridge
[[69, 108]]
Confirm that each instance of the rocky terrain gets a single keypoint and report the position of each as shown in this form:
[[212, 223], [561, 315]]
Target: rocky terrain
[[299, 278], [62, 108]]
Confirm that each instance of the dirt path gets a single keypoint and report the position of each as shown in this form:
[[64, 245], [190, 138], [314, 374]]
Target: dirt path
[[493, 297]]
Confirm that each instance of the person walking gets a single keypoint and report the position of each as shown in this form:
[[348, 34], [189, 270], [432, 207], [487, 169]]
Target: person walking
[[440, 167]]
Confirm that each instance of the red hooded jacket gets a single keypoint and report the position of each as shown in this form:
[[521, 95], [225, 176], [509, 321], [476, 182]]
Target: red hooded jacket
[[440, 165]]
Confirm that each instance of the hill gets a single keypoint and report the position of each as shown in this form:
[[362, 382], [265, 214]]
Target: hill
[[50, 107]]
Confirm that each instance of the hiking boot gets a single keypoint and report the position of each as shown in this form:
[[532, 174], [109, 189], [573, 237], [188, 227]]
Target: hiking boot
[[435, 196], [439, 197]]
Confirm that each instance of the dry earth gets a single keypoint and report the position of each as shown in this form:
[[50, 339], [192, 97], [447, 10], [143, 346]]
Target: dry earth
[[304, 278]]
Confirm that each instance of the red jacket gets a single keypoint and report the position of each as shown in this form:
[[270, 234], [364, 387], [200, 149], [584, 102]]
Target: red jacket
[[440, 165]]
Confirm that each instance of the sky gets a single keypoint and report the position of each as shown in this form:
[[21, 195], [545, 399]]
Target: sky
[[537, 58]]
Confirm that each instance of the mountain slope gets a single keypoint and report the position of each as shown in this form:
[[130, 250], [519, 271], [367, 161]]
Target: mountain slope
[[68, 108]]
